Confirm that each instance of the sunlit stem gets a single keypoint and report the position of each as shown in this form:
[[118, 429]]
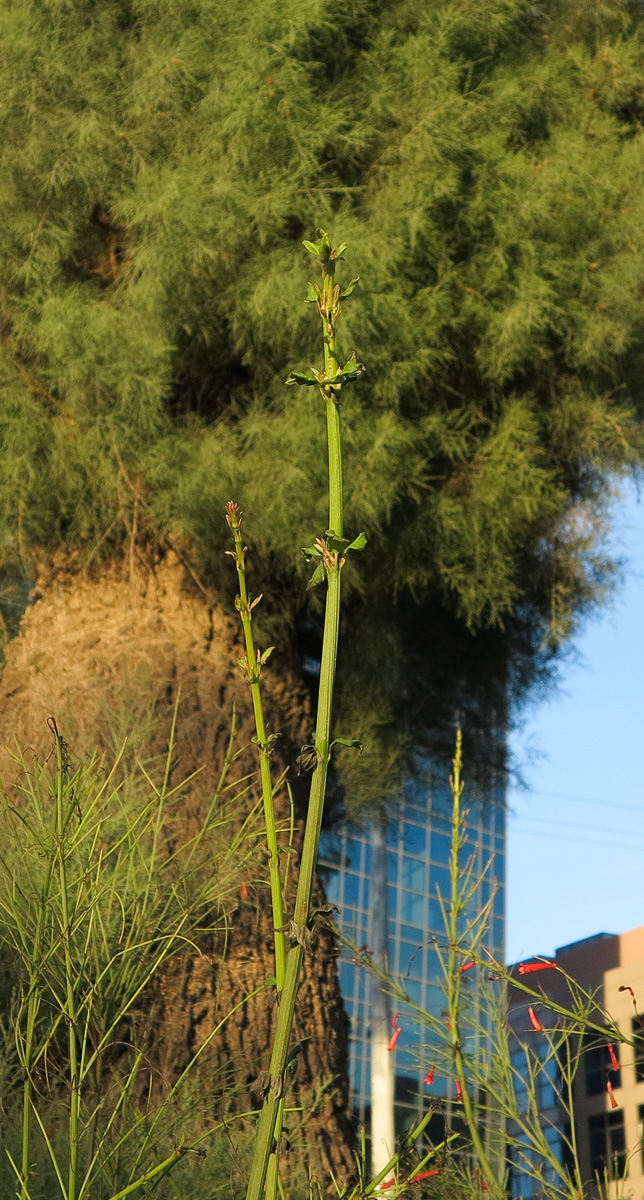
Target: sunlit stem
[[266, 1128]]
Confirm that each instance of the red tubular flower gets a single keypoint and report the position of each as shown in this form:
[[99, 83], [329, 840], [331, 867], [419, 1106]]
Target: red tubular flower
[[394, 1020], [625, 988], [393, 1039], [244, 892], [528, 968], [466, 967], [459, 1090], [613, 1058], [429, 1078], [609, 1089], [534, 1020], [422, 1175]]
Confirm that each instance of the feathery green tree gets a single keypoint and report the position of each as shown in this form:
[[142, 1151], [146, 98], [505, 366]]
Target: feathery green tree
[[160, 165]]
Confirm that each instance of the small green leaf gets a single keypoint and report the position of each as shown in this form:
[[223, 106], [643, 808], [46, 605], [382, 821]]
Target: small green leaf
[[336, 543], [352, 743], [311, 293], [350, 288], [317, 577], [312, 247], [311, 551], [271, 981], [263, 658], [341, 249], [351, 368], [358, 543], [302, 379]]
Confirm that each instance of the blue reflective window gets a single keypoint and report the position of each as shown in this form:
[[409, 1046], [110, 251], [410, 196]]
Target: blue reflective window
[[367, 857], [365, 893], [414, 838], [413, 962], [408, 1037], [392, 901], [392, 834], [468, 855], [351, 889], [442, 800], [392, 866], [330, 846], [440, 848], [332, 886], [352, 849], [414, 990], [435, 1000], [412, 908], [347, 978], [436, 919], [412, 933], [433, 968], [439, 879], [392, 944], [413, 874]]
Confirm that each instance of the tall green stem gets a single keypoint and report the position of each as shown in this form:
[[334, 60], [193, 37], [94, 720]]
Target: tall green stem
[[454, 976], [328, 297], [33, 1005], [253, 666], [70, 997]]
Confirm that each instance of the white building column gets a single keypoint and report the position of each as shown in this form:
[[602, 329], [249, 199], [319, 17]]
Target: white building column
[[382, 1059]]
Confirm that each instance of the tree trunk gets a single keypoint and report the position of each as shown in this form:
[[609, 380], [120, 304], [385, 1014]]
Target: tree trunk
[[107, 655]]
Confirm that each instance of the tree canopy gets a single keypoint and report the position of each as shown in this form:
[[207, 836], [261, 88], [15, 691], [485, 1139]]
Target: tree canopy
[[160, 164]]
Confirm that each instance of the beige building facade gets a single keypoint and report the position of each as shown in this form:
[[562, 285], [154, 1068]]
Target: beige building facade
[[608, 1127]]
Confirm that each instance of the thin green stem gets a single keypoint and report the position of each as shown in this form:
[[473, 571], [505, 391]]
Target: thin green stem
[[153, 1173], [454, 976], [70, 998], [33, 1006], [329, 308], [253, 666]]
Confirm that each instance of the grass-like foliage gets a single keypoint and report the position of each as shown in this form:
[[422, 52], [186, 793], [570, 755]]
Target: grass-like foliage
[[101, 885]]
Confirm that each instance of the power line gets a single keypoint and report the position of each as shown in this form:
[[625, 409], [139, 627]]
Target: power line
[[586, 800], [578, 841], [574, 825]]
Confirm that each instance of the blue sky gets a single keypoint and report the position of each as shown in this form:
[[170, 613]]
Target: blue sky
[[576, 837]]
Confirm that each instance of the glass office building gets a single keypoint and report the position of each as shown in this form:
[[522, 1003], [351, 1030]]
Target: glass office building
[[417, 846]]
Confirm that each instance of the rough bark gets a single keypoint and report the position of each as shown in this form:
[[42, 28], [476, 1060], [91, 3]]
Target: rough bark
[[106, 654]]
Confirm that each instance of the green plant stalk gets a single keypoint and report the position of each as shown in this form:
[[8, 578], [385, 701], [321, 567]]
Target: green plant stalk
[[70, 1001], [266, 1127], [33, 1004], [453, 975], [253, 672]]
